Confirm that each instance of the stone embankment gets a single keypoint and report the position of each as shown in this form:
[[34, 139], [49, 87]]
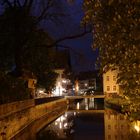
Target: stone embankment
[[15, 117]]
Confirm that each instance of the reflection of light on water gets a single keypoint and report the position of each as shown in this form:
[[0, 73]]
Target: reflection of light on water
[[86, 100], [86, 107], [60, 125], [62, 118], [77, 106], [137, 126], [65, 125], [66, 115], [58, 120]]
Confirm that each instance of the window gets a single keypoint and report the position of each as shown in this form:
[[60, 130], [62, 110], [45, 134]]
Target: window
[[122, 126], [108, 88], [122, 137], [107, 78], [116, 137], [109, 137], [109, 126], [114, 88], [114, 78]]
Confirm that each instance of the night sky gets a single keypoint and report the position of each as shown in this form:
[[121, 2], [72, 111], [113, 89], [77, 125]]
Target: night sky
[[82, 56], [70, 25]]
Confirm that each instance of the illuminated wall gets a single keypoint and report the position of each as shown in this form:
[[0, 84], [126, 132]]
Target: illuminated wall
[[110, 85]]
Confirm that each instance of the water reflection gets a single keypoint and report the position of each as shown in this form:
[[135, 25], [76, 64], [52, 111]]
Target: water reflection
[[87, 120], [116, 126], [87, 104], [119, 127], [77, 124]]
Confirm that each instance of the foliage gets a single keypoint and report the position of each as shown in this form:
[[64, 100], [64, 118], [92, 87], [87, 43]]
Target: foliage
[[47, 80], [12, 89], [22, 43], [116, 27]]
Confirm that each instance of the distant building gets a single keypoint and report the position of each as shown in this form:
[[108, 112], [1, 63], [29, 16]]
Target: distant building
[[89, 80], [110, 86], [63, 69]]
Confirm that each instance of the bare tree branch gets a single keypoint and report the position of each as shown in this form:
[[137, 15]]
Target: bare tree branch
[[72, 37], [8, 3], [18, 2], [25, 3], [43, 13]]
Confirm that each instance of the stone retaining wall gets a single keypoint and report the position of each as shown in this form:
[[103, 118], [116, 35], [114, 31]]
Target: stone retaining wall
[[15, 120]]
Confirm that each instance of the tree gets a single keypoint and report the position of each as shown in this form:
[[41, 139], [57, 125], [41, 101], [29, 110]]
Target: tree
[[23, 44], [116, 30], [16, 34]]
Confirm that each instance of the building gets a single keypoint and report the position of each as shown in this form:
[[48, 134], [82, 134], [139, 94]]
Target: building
[[63, 69], [89, 80], [110, 86]]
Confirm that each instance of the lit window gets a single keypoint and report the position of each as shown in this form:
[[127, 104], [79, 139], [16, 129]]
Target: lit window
[[114, 78], [108, 88], [114, 88], [107, 78]]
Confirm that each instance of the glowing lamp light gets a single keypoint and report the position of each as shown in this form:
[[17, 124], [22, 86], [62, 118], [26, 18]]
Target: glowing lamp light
[[78, 106], [40, 91], [64, 81], [137, 126], [86, 84], [65, 125]]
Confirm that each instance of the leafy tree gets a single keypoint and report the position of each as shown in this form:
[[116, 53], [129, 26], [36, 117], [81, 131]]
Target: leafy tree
[[12, 89], [116, 27]]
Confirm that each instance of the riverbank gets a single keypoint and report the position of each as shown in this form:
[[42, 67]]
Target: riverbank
[[123, 106], [17, 116]]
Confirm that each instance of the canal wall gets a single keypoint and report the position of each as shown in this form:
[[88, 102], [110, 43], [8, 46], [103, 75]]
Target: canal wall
[[15, 117]]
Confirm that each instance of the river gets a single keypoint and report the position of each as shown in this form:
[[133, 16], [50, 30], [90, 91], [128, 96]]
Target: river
[[88, 120]]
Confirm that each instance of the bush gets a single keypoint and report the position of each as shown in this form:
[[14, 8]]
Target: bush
[[12, 89]]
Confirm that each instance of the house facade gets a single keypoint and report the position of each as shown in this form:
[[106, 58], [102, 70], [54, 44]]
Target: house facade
[[110, 85]]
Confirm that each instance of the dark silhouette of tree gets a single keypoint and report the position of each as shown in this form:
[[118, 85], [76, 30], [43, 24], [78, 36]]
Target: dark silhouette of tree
[[24, 43]]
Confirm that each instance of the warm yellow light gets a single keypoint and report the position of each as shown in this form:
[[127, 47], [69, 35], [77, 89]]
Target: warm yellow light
[[77, 106], [64, 81], [86, 84], [137, 126], [65, 125], [60, 125]]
